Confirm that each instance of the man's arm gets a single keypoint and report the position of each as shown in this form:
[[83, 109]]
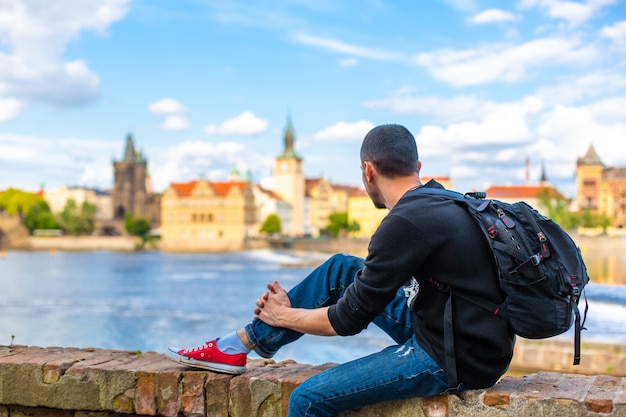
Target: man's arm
[[274, 308]]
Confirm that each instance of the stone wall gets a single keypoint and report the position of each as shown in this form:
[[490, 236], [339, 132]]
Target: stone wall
[[71, 382]]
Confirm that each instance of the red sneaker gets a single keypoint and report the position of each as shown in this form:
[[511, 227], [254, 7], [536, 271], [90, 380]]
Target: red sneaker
[[209, 357]]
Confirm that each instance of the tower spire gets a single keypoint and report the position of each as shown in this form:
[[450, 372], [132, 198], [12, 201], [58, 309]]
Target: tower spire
[[288, 139], [130, 154]]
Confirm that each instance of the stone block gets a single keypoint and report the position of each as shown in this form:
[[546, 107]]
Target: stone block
[[217, 394], [192, 397], [499, 395], [600, 399], [145, 395], [168, 393]]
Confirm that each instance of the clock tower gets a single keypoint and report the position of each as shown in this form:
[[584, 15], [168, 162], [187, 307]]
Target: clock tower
[[289, 182]]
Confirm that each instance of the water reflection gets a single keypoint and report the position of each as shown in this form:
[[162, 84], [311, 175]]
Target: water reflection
[[605, 259]]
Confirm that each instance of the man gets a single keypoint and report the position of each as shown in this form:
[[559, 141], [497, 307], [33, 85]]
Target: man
[[425, 249]]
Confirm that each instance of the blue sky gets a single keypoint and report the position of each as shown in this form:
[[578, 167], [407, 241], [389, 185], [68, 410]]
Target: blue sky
[[205, 86]]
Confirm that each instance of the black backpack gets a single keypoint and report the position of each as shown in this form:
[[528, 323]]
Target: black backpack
[[540, 269]]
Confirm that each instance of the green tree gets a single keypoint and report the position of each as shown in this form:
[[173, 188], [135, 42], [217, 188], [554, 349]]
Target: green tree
[[557, 208], [14, 201], [137, 226], [271, 225], [33, 209], [588, 219], [78, 221], [339, 224], [40, 217]]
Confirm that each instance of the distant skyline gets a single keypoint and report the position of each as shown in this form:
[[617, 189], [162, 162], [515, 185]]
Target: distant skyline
[[205, 86]]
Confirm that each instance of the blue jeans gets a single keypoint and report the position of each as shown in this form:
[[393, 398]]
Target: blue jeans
[[396, 372]]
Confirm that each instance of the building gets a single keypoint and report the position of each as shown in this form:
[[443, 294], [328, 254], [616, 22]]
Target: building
[[102, 200], [132, 190], [323, 199], [289, 185], [268, 202], [601, 189], [207, 216], [529, 193], [362, 210]]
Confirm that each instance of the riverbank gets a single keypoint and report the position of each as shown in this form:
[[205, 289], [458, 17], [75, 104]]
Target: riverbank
[[602, 243], [83, 243]]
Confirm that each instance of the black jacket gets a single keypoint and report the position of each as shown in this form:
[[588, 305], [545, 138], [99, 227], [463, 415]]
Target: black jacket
[[433, 240]]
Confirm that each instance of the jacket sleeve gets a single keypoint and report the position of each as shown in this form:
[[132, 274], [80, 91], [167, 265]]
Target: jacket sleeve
[[395, 250]]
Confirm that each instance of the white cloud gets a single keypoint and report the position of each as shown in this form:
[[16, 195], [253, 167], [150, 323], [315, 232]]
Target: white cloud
[[573, 12], [491, 16], [166, 106], [47, 160], [175, 122], [246, 124], [442, 110], [10, 108], [347, 49], [35, 34], [572, 89], [189, 160], [506, 125], [502, 62], [345, 132], [573, 129], [617, 32]]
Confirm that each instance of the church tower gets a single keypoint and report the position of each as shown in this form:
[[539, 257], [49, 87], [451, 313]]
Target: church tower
[[129, 191], [289, 182]]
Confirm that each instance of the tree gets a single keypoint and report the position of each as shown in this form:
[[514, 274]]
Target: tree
[[137, 226], [271, 225], [39, 217], [558, 210], [78, 221], [33, 209], [339, 224]]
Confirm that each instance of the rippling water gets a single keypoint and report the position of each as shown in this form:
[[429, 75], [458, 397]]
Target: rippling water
[[151, 300]]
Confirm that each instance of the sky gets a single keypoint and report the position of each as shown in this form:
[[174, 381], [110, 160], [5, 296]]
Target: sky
[[488, 88]]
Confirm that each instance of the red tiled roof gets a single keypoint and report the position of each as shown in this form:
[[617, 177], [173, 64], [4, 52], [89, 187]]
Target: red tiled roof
[[520, 191], [219, 188]]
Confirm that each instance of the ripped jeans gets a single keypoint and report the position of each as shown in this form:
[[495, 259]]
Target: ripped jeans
[[396, 372]]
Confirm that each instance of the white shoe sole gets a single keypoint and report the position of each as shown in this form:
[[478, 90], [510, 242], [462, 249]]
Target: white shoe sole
[[209, 366]]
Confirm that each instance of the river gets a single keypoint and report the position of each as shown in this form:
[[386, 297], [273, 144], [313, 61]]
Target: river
[[150, 300]]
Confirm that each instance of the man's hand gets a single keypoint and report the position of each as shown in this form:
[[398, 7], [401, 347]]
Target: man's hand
[[272, 305], [274, 308]]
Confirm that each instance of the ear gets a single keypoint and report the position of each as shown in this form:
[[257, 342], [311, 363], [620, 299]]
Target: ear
[[368, 171], [419, 166]]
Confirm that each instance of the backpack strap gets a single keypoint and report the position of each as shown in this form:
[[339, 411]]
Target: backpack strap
[[449, 351]]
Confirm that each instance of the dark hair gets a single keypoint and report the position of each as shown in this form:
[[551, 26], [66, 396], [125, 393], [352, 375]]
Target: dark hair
[[392, 150]]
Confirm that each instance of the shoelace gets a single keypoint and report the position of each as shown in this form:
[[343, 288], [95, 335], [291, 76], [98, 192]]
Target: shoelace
[[204, 346]]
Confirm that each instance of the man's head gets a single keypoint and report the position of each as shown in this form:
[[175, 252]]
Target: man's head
[[390, 152], [391, 149]]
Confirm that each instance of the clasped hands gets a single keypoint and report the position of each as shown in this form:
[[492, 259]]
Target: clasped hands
[[272, 305]]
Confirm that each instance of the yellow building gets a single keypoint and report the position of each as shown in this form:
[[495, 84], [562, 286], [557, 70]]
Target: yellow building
[[207, 216], [601, 189], [362, 210], [322, 200]]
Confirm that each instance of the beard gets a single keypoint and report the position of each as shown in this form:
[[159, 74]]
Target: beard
[[375, 196]]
